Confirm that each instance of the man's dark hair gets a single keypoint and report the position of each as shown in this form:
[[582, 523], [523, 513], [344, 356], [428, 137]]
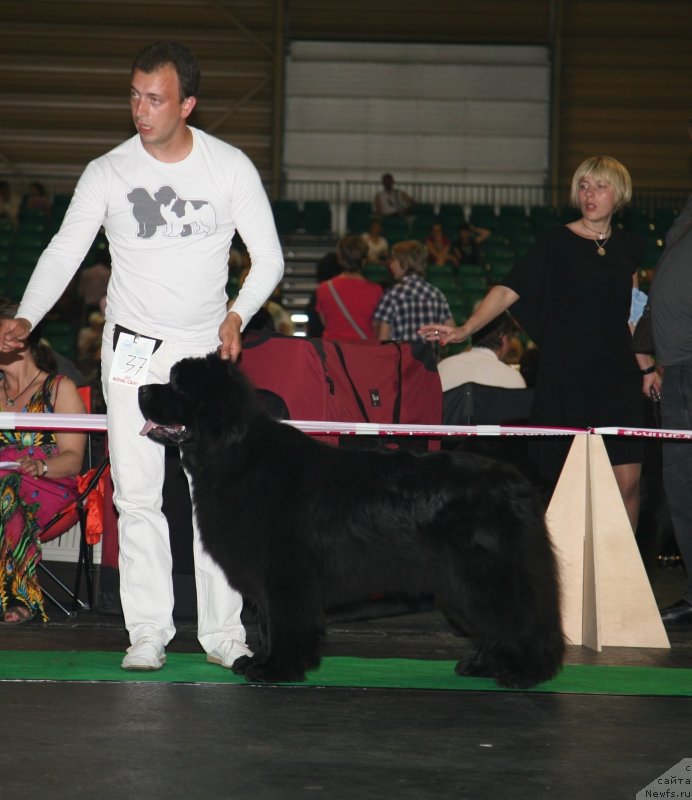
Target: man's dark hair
[[490, 335], [157, 55]]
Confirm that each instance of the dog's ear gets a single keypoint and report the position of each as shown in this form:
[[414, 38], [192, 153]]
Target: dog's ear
[[225, 401]]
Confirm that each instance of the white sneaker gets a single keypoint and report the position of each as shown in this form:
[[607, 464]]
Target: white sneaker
[[145, 654], [228, 652]]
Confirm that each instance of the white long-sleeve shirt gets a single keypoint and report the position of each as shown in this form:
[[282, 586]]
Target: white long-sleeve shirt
[[169, 228]]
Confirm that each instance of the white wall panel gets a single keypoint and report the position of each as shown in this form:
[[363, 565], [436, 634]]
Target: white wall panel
[[425, 113]]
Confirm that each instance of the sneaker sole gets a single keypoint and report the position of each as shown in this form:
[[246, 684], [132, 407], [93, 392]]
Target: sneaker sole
[[219, 661], [143, 667]]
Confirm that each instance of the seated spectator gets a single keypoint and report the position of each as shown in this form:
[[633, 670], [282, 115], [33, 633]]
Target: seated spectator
[[391, 202], [412, 299], [9, 203], [93, 283], [89, 338], [36, 199], [467, 249], [346, 303], [484, 362], [272, 316], [38, 479], [378, 246], [439, 246], [327, 267]]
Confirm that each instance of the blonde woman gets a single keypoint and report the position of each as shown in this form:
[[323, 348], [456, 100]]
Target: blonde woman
[[572, 293]]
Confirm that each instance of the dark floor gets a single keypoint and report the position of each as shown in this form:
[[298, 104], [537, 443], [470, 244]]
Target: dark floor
[[136, 740]]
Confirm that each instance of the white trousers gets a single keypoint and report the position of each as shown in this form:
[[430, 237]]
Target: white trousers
[[145, 561]]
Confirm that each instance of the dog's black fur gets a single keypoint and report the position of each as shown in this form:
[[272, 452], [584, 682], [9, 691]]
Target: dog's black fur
[[300, 526]]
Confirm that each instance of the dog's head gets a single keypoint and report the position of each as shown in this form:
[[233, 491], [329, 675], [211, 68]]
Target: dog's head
[[206, 400]]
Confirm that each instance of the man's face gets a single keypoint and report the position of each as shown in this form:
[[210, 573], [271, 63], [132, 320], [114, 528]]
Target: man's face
[[157, 111]]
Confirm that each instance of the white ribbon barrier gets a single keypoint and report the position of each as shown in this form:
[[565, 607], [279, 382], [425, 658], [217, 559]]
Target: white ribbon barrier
[[644, 433], [377, 429], [52, 422], [97, 422]]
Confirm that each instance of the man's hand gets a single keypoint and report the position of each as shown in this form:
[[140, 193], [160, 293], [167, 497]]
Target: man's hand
[[229, 333], [13, 333]]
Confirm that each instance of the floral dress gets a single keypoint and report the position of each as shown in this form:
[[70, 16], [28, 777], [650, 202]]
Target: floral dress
[[27, 504]]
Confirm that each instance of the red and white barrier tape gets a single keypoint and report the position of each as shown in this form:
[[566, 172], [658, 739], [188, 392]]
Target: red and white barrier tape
[[97, 422], [645, 433], [52, 422]]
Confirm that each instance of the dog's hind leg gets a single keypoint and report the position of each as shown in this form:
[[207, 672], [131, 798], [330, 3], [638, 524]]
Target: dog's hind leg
[[503, 592], [294, 628]]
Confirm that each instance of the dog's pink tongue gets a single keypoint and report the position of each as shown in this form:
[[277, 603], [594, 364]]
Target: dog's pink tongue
[[148, 426]]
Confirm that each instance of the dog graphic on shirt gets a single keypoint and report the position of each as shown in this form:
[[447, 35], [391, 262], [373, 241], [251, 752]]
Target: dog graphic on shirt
[[178, 217]]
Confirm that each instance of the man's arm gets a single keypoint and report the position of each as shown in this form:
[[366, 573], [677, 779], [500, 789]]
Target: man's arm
[[229, 333], [255, 224], [66, 251]]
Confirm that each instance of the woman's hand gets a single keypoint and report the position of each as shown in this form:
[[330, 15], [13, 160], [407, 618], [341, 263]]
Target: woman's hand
[[31, 466], [444, 334]]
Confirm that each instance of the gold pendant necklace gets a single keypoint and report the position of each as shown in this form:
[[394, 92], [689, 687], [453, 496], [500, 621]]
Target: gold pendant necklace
[[10, 401], [601, 239], [600, 246]]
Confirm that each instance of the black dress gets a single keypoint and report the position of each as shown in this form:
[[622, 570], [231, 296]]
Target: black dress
[[575, 305]]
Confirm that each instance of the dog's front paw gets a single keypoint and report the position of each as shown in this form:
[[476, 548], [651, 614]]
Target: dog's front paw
[[241, 664], [507, 675], [268, 672], [473, 668]]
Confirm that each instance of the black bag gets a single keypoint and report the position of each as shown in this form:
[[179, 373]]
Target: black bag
[[643, 336]]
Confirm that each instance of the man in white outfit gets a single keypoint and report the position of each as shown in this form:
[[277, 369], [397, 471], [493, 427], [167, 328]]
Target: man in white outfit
[[170, 200]]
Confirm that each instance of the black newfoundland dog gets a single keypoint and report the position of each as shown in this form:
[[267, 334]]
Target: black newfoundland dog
[[299, 527]]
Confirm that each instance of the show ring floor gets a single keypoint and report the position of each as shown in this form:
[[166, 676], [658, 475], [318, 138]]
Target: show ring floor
[[384, 717]]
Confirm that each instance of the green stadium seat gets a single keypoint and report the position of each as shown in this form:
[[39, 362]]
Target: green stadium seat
[[454, 212], [469, 282], [494, 251], [499, 268], [512, 213], [62, 336], [487, 220], [359, 214], [443, 280], [395, 229], [663, 218], [378, 273], [286, 216], [317, 217]]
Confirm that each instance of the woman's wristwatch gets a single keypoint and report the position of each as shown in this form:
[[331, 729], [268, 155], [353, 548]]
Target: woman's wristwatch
[[44, 467], [648, 370]]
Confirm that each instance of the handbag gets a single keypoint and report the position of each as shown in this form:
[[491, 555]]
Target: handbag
[[643, 335]]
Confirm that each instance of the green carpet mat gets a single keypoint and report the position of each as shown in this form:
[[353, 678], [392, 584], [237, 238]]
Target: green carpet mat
[[389, 673]]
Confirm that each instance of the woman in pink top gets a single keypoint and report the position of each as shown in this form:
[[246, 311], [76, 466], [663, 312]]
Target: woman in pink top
[[347, 302]]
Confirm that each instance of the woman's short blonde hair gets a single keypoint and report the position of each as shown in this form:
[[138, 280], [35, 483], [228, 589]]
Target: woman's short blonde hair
[[608, 169], [411, 255]]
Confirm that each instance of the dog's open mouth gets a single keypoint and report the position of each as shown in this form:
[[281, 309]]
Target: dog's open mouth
[[165, 434]]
